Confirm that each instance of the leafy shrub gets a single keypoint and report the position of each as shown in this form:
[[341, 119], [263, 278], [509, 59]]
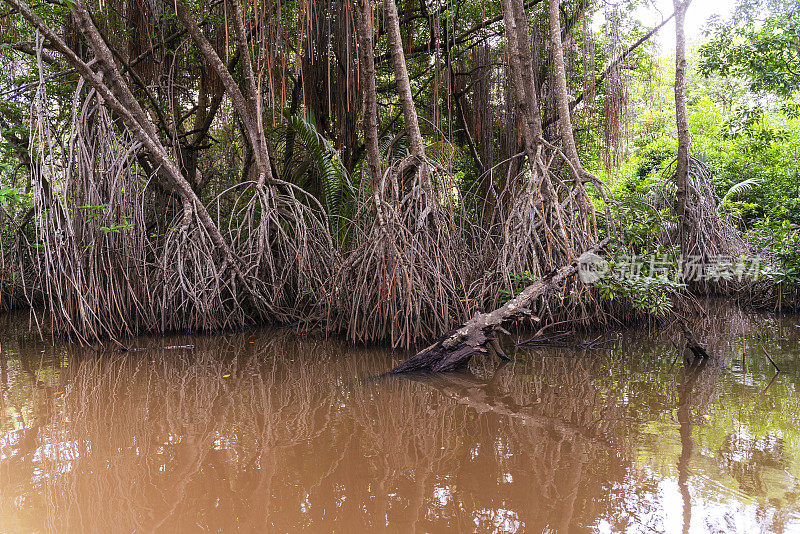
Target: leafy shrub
[[779, 242], [650, 289], [650, 294]]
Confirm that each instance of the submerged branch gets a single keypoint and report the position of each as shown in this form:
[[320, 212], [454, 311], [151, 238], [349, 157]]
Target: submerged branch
[[455, 349]]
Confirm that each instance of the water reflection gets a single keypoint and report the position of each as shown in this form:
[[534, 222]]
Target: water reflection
[[265, 431]]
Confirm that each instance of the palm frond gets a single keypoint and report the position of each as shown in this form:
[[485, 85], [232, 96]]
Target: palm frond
[[394, 148], [324, 158], [740, 188]]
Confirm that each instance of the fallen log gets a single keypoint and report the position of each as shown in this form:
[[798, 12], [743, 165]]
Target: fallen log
[[697, 349], [454, 349]]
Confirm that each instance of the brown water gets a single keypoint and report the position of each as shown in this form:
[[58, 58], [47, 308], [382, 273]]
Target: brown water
[[267, 432]]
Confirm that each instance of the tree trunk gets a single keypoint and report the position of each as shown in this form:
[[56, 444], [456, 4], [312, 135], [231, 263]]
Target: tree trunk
[[255, 99], [560, 89], [454, 349], [562, 97], [367, 57], [562, 103], [403, 82], [520, 60], [682, 165]]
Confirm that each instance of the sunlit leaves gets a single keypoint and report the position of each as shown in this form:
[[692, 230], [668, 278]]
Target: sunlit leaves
[[763, 48]]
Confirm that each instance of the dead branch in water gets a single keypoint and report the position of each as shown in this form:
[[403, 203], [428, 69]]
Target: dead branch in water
[[698, 350], [168, 347], [455, 349], [775, 365]]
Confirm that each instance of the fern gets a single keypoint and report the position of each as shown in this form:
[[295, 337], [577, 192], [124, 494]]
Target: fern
[[740, 188], [323, 157], [394, 148]]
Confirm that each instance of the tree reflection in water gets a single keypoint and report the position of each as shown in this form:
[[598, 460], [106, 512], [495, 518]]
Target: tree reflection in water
[[265, 431], [696, 390]]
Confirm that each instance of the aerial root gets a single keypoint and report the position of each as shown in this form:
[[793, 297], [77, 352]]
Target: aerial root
[[406, 279]]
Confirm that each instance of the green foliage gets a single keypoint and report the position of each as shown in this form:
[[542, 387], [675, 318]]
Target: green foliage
[[519, 282], [764, 50], [753, 153], [322, 159], [653, 157], [642, 220], [116, 228], [310, 161], [780, 242], [650, 294], [649, 287], [15, 199], [93, 212]]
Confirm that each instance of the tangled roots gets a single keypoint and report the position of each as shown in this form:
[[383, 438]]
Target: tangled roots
[[108, 267], [195, 289], [544, 228], [287, 252], [408, 277], [708, 234], [91, 247]]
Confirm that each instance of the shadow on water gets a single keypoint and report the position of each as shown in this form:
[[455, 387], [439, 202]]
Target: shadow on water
[[264, 431]]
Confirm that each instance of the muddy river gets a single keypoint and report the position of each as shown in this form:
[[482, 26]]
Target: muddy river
[[265, 431]]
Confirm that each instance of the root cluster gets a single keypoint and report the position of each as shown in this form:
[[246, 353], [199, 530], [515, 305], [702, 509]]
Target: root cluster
[[120, 256], [707, 233], [408, 277], [117, 254]]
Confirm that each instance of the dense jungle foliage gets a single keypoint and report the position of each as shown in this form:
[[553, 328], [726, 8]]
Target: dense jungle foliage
[[387, 169]]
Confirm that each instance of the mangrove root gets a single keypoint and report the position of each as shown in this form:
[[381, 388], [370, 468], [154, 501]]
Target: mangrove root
[[454, 349], [697, 349]]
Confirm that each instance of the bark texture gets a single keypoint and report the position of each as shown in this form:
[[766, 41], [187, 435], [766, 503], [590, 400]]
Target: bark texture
[[402, 80], [682, 122], [367, 57], [562, 104], [562, 98], [519, 50], [454, 350]]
